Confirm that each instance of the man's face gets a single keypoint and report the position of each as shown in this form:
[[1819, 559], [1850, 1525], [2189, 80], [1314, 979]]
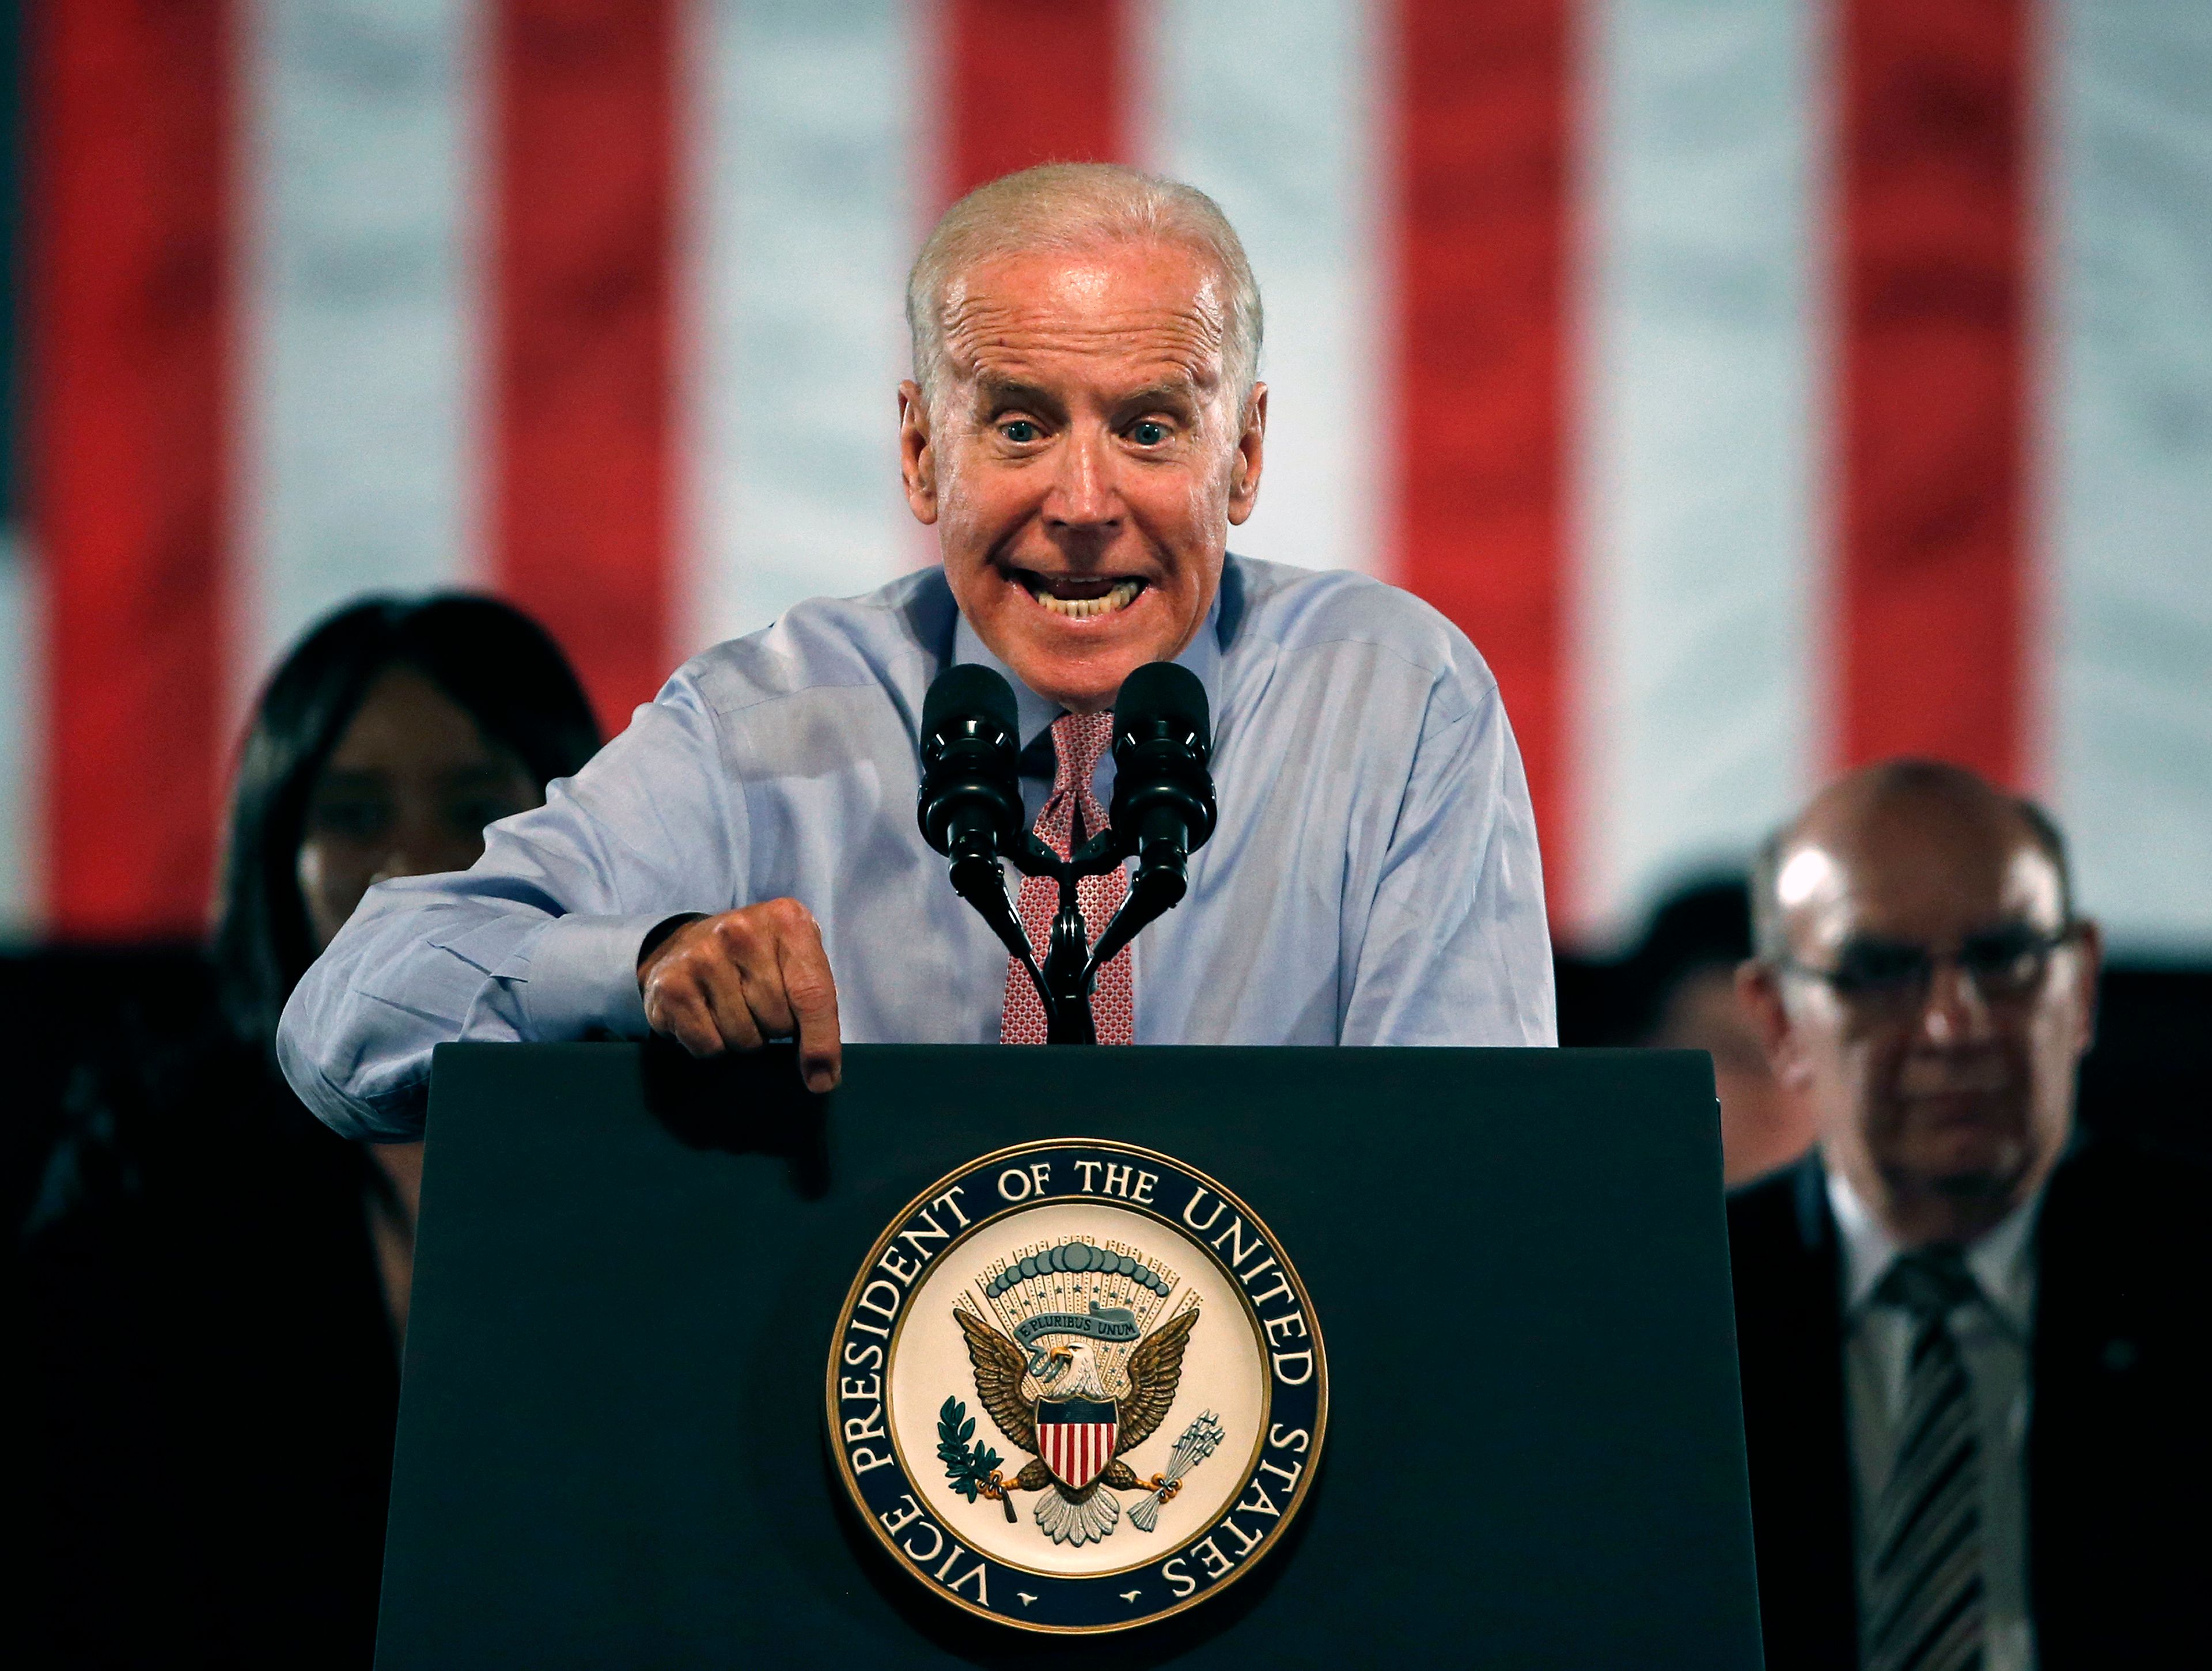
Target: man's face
[[1084, 460], [1945, 1099]]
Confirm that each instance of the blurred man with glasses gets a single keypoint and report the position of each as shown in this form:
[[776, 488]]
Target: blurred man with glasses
[[1976, 1393]]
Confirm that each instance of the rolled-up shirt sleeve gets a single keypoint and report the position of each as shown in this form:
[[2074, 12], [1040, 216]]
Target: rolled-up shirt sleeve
[[537, 942], [1456, 950]]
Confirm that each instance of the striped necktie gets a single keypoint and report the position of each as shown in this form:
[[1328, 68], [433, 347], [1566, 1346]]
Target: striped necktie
[[1079, 742], [1924, 1553]]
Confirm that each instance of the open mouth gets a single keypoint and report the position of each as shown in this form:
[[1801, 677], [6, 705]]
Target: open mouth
[[1079, 598]]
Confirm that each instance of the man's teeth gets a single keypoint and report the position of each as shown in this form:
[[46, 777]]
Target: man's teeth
[[1123, 593]]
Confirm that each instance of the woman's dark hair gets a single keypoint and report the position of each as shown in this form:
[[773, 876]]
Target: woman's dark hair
[[495, 663]]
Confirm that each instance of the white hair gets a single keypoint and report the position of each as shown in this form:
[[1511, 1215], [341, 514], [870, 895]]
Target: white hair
[[1072, 206]]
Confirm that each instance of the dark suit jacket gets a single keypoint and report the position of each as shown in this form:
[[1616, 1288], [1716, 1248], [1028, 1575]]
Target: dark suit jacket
[[2119, 1467]]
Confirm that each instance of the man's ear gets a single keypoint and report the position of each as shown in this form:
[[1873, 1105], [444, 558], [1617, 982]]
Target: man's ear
[[1758, 989], [917, 455], [1251, 448], [2088, 967]]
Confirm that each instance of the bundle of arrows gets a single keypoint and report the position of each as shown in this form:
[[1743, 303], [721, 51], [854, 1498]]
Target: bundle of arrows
[[1196, 1444]]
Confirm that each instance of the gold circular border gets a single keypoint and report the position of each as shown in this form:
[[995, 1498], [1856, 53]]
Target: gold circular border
[[831, 1401]]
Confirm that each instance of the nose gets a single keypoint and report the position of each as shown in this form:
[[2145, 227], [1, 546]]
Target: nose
[[1954, 1012], [1084, 495]]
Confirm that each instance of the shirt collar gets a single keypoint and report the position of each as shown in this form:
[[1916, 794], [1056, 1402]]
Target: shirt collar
[[1033, 713], [2002, 1260]]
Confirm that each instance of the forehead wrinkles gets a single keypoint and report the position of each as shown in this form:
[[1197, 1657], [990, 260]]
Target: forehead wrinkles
[[985, 329]]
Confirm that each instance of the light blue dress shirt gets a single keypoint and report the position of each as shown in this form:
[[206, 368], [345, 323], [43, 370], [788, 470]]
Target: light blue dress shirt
[[1373, 880]]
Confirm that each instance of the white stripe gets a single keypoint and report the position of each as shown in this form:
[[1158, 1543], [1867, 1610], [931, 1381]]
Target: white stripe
[[1696, 663], [806, 176], [359, 323], [2130, 488], [1272, 109], [21, 644]]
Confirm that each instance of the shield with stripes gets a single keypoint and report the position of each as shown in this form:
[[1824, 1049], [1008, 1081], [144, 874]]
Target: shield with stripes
[[1075, 1437]]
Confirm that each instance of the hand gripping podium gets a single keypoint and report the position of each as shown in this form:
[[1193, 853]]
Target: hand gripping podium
[[643, 1286]]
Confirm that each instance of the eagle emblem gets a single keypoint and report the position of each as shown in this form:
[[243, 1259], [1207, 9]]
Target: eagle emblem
[[1071, 1368], [1076, 1386]]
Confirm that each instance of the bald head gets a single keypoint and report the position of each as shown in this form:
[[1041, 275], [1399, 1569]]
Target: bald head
[[1922, 983], [1901, 804]]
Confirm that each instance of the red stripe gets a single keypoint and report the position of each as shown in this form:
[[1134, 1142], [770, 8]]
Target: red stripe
[[1935, 231], [586, 147], [1482, 186], [1077, 1452], [1029, 83], [128, 281]]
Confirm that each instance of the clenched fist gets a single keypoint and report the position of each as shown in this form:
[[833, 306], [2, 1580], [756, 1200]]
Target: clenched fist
[[735, 981]]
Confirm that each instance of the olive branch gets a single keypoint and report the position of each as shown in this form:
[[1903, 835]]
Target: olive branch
[[972, 1469], [968, 1468]]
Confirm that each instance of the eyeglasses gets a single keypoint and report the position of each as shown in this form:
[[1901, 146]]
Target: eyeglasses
[[2004, 965]]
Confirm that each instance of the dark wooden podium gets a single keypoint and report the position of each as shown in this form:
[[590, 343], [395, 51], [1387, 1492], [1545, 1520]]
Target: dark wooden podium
[[611, 1437]]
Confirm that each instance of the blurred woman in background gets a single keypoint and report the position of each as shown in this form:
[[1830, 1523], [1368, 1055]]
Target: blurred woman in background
[[214, 1284], [382, 748]]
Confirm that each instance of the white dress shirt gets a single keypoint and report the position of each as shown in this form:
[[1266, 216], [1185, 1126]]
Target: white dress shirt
[[1993, 1333]]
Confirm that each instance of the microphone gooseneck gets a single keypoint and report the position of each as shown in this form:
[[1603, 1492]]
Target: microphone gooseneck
[[1162, 808]]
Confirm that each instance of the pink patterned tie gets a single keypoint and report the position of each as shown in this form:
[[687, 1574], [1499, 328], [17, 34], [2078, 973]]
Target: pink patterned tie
[[1080, 741]]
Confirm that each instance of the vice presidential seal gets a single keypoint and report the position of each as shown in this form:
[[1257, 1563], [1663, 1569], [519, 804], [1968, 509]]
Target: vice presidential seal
[[1077, 1387]]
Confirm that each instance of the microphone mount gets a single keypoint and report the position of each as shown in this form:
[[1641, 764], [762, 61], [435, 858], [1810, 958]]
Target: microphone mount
[[970, 810]]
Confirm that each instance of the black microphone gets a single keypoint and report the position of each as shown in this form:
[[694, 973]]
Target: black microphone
[[970, 810], [1163, 808], [970, 805]]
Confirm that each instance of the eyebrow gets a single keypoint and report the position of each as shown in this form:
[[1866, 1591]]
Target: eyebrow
[[1182, 392], [2008, 926], [992, 388]]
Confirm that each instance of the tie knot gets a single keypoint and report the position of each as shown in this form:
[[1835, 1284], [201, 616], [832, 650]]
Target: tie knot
[[1079, 742], [1928, 1282]]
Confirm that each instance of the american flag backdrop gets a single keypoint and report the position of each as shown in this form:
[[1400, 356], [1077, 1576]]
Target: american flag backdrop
[[1764, 385]]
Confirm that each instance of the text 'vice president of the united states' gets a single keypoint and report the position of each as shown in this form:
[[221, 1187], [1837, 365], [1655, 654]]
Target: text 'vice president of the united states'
[[1082, 428]]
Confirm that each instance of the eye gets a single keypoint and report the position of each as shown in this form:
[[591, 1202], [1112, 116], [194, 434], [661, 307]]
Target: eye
[[1149, 432], [1877, 966], [1020, 431], [2007, 962], [350, 818]]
